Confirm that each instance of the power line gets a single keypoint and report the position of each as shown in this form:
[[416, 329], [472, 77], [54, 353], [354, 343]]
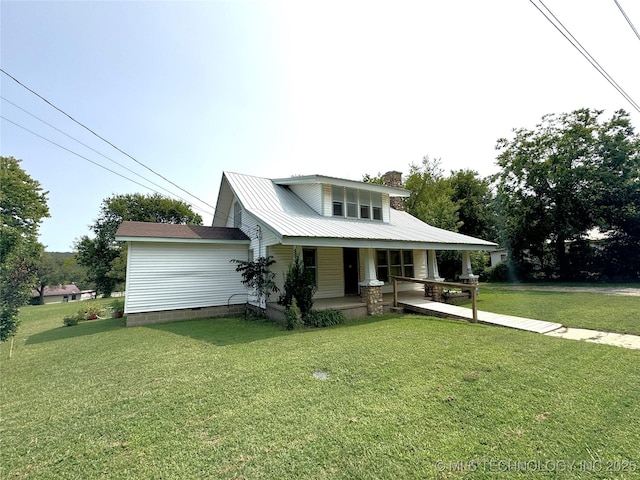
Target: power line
[[103, 139], [626, 17], [89, 160], [95, 151], [583, 51]]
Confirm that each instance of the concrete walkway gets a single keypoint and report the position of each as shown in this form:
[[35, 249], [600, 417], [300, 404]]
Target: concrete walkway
[[607, 338], [445, 310]]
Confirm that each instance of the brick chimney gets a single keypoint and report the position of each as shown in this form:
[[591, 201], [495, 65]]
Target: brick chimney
[[394, 179]]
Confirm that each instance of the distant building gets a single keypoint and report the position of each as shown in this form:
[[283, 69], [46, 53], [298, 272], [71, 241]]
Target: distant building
[[60, 294]]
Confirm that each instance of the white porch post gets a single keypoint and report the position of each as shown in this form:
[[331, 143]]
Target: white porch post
[[432, 267], [370, 275], [371, 287], [467, 270]]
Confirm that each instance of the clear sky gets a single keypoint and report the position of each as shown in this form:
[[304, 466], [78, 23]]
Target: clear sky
[[281, 88]]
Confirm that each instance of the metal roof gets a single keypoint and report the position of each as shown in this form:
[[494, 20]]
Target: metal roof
[[342, 182], [296, 223]]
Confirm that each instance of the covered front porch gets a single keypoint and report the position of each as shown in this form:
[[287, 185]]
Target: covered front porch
[[351, 306]]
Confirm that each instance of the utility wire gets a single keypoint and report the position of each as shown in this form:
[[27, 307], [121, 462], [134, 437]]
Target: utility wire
[[195, 207], [95, 151], [103, 139], [583, 51], [89, 160], [626, 17]]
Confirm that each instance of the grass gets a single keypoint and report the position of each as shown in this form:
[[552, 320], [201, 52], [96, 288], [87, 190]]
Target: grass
[[595, 311], [225, 398]]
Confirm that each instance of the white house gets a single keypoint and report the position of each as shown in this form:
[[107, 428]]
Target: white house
[[345, 230]]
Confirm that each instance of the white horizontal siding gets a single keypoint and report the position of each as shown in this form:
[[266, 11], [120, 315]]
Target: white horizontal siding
[[330, 273], [330, 269], [311, 194], [283, 256], [386, 206], [165, 276], [327, 200]]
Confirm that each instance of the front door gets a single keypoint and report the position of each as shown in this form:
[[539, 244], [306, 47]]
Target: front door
[[351, 271]]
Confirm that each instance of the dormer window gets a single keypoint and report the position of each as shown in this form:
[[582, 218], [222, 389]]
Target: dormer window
[[365, 200], [355, 203], [352, 202], [338, 201], [376, 205]]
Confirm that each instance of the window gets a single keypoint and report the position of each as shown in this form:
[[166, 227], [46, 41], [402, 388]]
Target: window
[[352, 203], [395, 259], [382, 259], [364, 204], [394, 262], [407, 263], [237, 215], [338, 201], [376, 205], [310, 264]]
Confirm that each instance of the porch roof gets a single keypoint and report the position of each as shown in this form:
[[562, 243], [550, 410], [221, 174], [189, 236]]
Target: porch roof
[[296, 223]]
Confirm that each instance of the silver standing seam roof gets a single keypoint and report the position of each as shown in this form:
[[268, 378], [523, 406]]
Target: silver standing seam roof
[[296, 223]]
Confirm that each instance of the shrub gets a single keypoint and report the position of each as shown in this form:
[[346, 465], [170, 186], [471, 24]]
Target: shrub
[[258, 277], [298, 285], [117, 307], [499, 273], [90, 312], [71, 320], [324, 318], [292, 316]]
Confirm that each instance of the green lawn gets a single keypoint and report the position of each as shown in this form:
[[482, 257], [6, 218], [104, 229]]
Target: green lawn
[[596, 311], [226, 398]]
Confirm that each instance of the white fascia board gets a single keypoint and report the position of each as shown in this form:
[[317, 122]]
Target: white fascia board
[[368, 243], [180, 240], [343, 182]]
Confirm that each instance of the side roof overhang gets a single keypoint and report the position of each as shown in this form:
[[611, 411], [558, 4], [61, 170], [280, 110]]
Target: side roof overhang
[[342, 182], [164, 232]]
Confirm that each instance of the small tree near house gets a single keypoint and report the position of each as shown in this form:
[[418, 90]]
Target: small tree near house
[[298, 286], [257, 277]]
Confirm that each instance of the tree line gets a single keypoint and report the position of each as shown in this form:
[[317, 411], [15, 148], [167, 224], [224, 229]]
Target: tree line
[[565, 203]]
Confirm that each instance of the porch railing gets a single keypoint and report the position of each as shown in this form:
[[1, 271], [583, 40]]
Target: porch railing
[[461, 286]]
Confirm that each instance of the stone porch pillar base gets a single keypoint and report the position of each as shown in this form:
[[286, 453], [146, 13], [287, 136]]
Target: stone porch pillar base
[[371, 293]]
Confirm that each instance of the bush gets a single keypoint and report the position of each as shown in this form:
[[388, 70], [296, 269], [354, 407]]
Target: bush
[[72, 320], [292, 316], [90, 312], [499, 273], [117, 307], [298, 285], [324, 318]]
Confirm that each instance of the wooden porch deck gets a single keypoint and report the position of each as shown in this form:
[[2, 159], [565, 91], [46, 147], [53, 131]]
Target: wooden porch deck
[[417, 303]]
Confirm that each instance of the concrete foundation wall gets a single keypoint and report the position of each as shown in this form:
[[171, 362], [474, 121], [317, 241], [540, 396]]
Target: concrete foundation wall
[[151, 318]]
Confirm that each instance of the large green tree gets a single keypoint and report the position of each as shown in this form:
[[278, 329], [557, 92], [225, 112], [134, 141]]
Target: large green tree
[[23, 206], [476, 209], [431, 195], [569, 175], [102, 255]]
